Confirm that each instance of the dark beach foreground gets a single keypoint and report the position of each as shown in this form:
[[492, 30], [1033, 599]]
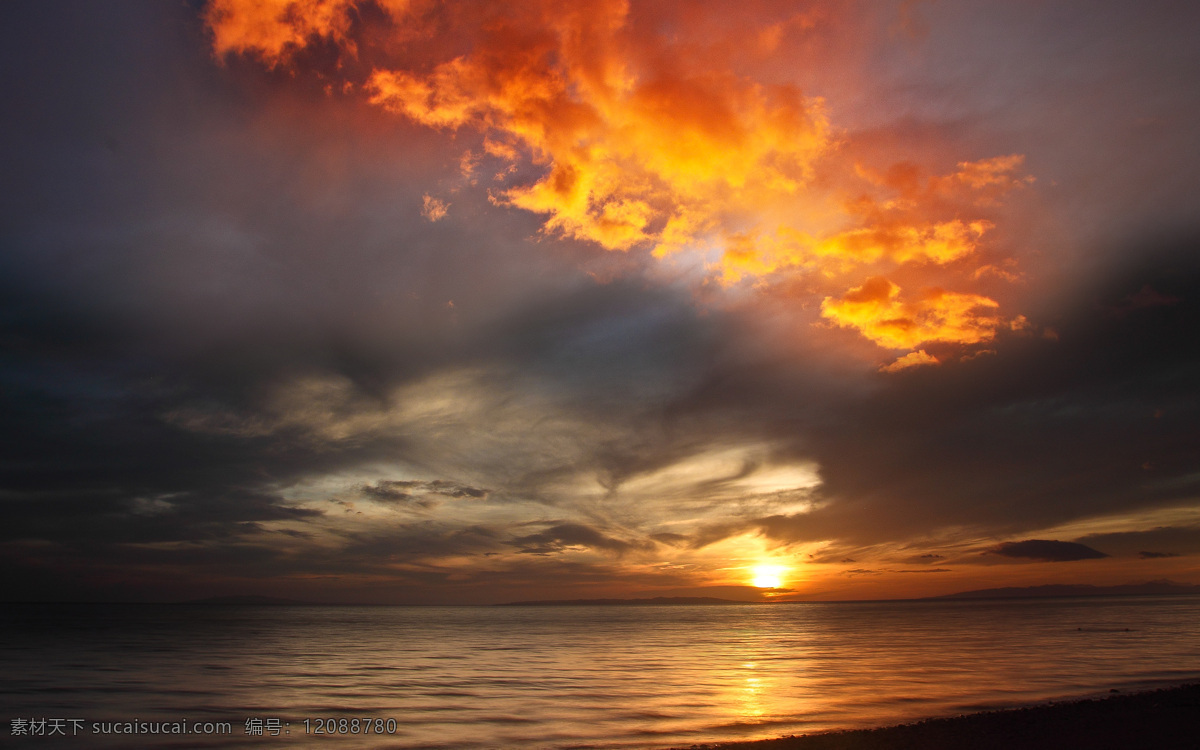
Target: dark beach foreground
[[1167, 719]]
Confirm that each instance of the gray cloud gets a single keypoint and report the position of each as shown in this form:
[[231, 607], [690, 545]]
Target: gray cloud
[[423, 494], [94, 520], [1179, 539], [1047, 550], [1080, 416], [561, 536]]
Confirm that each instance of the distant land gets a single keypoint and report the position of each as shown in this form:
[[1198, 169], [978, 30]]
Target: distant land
[[1150, 588], [656, 601]]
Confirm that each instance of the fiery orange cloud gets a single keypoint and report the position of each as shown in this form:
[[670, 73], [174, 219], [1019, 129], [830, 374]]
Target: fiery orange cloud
[[643, 148], [877, 310], [274, 29], [659, 158], [940, 243]]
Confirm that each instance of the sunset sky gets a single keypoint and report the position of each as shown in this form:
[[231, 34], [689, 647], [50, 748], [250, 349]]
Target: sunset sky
[[406, 301]]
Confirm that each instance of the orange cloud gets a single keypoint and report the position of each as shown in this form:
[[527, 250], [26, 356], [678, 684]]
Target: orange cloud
[[275, 29], [996, 172], [662, 157], [877, 310], [912, 359], [434, 209], [984, 181], [938, 243], [641, 147]]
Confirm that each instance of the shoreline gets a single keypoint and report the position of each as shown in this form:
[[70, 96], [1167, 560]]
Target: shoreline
[[1161, 719]]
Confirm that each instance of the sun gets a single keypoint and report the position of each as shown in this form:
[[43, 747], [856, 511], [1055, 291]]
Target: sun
[[767, 576]]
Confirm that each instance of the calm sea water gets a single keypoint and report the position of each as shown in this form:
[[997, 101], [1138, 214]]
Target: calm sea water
[[568, 677]]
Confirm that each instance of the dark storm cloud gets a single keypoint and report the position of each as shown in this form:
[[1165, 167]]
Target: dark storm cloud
[[1176, 539], [420, 493], [1096, 418], [602, 334], [174, 255], [453, 489], [561, 536], [1047, 550], [82, 519], [375, 550]]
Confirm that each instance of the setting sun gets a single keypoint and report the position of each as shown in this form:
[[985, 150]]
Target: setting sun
[[767, 576]]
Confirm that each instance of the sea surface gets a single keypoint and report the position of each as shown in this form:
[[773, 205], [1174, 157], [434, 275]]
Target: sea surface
[[563, 677]]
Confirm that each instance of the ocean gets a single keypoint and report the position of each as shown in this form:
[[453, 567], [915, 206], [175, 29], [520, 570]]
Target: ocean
[[560, 676]]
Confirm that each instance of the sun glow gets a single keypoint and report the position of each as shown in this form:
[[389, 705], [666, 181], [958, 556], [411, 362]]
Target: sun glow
[[767, 576]]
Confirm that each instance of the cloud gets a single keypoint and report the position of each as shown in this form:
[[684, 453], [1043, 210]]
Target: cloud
[[1156, 555], [1047, 550], [936, 449], [613, 131], [1146, 297], [434, 209], [563, 536], [412, 546], [225, 317], [277, 28], [388, 491], [918, 358], [879, 312], [886, 239], [109, 518], [925, 559], [1182, 539], [633, 155], [419, 492]]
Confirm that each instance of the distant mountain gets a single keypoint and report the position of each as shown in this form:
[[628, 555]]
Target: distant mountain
[[257, 600], [656, 601], [1150, 588]]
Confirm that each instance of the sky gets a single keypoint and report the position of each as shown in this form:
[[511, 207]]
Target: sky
[[414, 302]]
